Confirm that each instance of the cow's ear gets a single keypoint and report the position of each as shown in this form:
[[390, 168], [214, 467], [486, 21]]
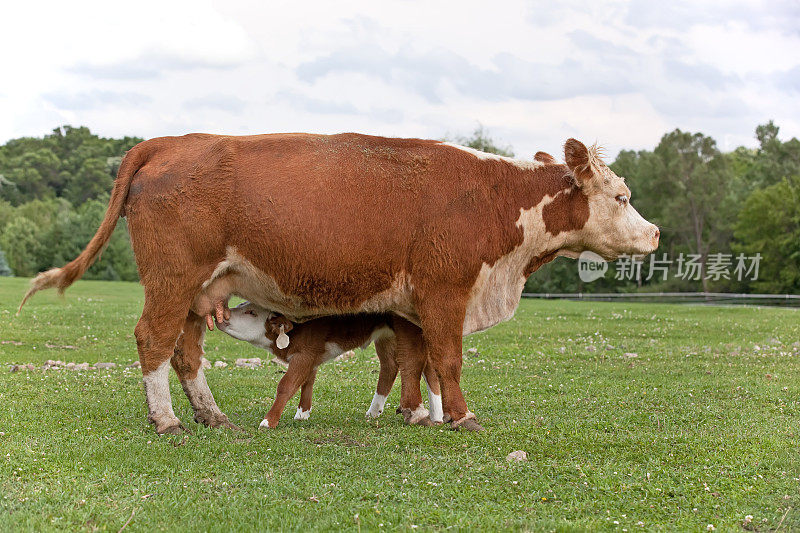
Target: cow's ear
[[578, 160], [274, 324], [544, 157]]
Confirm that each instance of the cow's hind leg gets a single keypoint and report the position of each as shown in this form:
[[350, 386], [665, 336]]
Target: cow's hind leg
[[156, 333], [186, 362]]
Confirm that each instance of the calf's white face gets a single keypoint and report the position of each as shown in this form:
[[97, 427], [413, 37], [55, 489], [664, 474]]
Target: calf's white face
[[247, 323], [614, 227]]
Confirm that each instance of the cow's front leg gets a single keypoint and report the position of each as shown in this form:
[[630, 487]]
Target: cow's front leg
[[186, 362], [442, 320], [306, 392], [300, 367]]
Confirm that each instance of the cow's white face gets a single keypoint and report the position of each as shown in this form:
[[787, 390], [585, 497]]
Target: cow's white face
[[247, 323], [614, 227]]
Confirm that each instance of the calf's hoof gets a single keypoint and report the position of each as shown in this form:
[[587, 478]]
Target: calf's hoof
[[302, 415]]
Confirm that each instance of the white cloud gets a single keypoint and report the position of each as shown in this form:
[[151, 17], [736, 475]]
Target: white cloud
[[622, 73]]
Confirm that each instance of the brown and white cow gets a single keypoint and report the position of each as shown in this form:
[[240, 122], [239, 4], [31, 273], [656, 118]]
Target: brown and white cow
[[316, 225]]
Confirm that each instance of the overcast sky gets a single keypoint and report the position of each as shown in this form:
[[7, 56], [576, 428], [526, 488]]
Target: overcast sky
[[534, 74]]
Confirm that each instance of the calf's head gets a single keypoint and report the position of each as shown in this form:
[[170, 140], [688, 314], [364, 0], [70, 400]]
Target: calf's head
[[612, 227], [249, 322]]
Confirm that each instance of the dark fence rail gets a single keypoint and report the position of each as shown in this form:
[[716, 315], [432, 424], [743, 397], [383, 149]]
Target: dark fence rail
[[701, 298]]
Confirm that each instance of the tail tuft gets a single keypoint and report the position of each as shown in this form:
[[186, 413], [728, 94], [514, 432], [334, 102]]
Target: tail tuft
[[55, 277]]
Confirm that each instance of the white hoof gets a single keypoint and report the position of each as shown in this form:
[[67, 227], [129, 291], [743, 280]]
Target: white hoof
[[264, 423], [302, 415], [376, 407]]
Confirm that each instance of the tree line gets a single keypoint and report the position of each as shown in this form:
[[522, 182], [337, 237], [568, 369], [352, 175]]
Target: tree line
[[730, 221]]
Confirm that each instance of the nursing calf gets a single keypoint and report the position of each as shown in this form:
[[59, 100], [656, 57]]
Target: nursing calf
[[308, 345], [318, 225]]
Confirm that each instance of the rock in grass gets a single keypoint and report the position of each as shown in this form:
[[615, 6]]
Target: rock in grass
[[135, 364], [82, 366], [346, 355], [252, 362], [518, 456], [220, 364], [105, 365], [630, 355], [205, 363]]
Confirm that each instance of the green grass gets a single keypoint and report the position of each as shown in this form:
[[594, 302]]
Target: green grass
[[701, 428]]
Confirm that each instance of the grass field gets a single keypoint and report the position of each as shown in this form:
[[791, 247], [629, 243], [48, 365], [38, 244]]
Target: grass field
[[701, 427]]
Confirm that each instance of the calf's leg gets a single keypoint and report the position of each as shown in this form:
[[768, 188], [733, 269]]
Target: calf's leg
[[306, 392], [386, 349], [186, 362], [300, 368]]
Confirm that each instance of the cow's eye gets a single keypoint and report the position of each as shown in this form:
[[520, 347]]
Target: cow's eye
[[622, 199], [249, 312]]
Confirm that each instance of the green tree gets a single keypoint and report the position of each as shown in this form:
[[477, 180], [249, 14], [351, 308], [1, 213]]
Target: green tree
[[91, 180], [70, 232], [481, 140], [769, 224], [21, 241], [695, 191], [5, 270]]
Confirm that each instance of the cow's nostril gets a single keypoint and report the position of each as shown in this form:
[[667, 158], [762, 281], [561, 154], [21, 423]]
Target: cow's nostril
[[657, 234]]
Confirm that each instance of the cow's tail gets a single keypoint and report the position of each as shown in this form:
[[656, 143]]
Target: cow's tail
[[65, 276]]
